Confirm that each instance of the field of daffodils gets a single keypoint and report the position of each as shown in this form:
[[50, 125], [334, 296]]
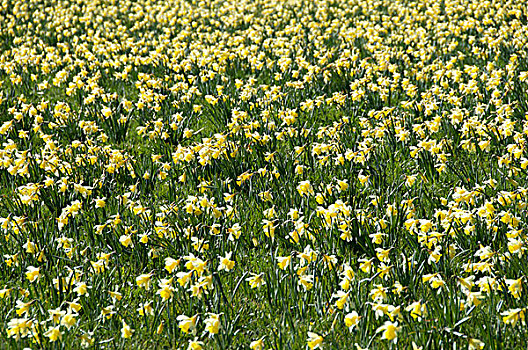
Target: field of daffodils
[[263, 174]]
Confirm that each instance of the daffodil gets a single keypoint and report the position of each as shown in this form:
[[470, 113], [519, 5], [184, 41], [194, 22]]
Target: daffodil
[[389, 331], [212, 323], [314, 340], [256, 281], [187, 324], [126, 331], [352, 320]]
